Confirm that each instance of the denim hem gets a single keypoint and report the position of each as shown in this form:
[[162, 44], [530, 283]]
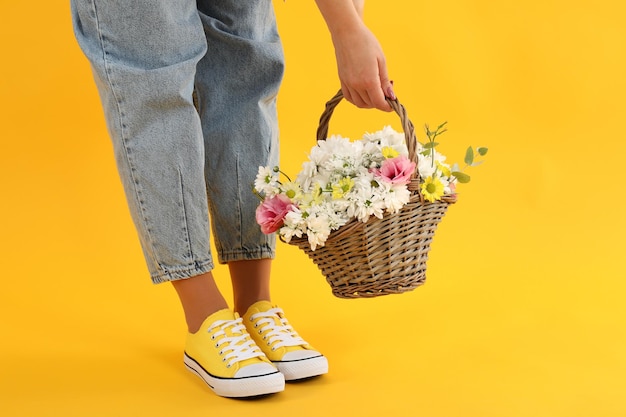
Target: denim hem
[[246, 255], [182, 272]]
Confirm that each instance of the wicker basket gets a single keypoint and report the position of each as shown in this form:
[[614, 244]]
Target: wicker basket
[[383, 256]]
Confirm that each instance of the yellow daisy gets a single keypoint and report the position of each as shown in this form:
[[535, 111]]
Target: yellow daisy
[[342, 187], [443, 168], [389, 153], [432, 189], [312, 198], [292, 190]]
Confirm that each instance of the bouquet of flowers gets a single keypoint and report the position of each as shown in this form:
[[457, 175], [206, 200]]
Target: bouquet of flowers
[[364, 210], [345, 180]]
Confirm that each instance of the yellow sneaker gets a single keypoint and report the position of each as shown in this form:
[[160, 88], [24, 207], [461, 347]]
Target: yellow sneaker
[[225, 357], [271, 331]]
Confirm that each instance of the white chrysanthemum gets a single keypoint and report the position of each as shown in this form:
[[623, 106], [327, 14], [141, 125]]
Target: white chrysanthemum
[[308, 171], [361, 191], [266, 181], [372, 156], [396, 141], [374, 137], [288, 232], [365, 200], [329, 148], [446, 181], [344, 157], [392, 137], [388, 137], [319, 154], [336, 219], [317, 230], [292, 190], [312, 197], [344, 165], [426, 166], [294, 218], [321, 181], [396, 198], [431, 162], [330, 211], [364, 209], [294, 225], [377, 204]]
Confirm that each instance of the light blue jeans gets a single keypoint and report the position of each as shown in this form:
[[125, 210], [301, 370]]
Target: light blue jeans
[[189, 91]]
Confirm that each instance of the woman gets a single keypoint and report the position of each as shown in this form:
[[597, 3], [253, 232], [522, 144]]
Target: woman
[[189, 91]]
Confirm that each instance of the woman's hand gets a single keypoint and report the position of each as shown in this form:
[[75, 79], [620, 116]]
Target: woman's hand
[[363, 70], [360, 59]]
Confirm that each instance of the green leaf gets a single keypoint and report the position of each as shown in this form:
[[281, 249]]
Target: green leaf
[[430, 145], [482, 151], [475, 164], [461, 177], [469, 156], [441, 125]]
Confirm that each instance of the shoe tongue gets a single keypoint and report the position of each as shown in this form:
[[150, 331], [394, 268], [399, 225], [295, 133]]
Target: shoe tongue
[[225, 314], [221, 315], [259, 306]]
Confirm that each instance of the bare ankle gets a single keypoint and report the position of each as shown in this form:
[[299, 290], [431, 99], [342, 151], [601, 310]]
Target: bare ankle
[[200, 298], [251, 282]]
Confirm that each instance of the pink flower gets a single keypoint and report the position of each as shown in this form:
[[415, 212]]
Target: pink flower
[[396, 170], [271, 213]]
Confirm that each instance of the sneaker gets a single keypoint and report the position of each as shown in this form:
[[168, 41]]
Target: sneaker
[[271, 331], [225, 357]]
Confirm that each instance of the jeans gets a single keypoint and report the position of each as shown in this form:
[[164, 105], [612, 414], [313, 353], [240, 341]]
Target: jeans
[[189, 91]]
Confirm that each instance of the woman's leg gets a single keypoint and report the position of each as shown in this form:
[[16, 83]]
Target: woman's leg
[[144, 55], [200, 298], [251, 282], [238, 109], [237, 84]]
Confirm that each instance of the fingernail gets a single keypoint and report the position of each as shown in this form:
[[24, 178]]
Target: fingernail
[[390, 92]]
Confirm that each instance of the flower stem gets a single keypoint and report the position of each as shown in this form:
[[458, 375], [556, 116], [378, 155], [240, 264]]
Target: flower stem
[[256, 193]]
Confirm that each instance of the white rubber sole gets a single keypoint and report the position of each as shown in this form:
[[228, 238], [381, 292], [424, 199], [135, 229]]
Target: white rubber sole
[[249, 386], [303, 368]]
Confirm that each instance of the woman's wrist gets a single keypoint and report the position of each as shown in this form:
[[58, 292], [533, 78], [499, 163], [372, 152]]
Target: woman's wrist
[[341, 16]]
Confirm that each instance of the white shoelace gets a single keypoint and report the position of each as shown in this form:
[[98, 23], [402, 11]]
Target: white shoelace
[[235, 342], [277, 335]]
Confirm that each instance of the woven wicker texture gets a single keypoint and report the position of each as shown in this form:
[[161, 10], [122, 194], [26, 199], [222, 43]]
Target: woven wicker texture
[[383, 256]]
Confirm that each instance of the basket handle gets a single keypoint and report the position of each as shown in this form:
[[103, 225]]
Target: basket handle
[[407, 127]]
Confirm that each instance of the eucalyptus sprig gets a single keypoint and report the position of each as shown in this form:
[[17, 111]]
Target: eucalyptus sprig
[[431, 144], [470, 159]]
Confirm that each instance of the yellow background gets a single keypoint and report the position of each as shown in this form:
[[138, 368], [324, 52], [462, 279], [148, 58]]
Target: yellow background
[[523, 310]]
